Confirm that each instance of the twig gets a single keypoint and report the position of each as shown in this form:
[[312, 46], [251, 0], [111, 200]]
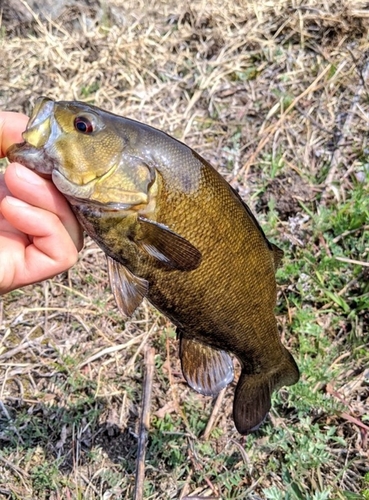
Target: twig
[[214, 413], [110, 350], [186, 486], [352, 261], [269, 131], [4, 410], [200, 498], [314, 122], [337, 156], [14, 467], [311, 88], [346, 233], [144, 424], [1, 313]]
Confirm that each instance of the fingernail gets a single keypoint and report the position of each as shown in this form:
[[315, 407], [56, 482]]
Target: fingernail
[[27, 175], [15, 202]]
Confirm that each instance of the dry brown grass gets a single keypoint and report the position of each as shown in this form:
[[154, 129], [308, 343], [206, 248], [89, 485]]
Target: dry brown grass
[[255, 87]]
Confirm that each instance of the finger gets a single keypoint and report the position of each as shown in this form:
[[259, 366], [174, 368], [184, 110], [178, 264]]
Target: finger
[[40, 192], [3, 189], [11, 127], [7, 228], [52, 249], [4, 224]]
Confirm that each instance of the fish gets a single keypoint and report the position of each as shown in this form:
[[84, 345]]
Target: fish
[[175, 232]]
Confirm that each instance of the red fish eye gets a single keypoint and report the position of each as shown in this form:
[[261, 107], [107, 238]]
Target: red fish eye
[[83, 124]]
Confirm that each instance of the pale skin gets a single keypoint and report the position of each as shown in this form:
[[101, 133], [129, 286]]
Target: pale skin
[[39, 235]]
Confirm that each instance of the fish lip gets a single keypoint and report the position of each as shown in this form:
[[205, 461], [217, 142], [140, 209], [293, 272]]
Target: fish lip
[[42, 127], [103, 207], [36, 152], [36, 159]]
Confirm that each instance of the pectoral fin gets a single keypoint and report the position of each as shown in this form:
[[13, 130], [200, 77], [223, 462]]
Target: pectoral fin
[[128, 289], [167, 246], [205, 369]]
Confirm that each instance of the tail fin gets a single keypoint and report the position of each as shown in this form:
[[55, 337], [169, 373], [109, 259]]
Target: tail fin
[[252, 399]]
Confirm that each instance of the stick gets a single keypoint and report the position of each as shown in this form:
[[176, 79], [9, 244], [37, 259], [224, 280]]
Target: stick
[[214, 413], [337, 156], [269, 131], [351, 261], [144, 424]]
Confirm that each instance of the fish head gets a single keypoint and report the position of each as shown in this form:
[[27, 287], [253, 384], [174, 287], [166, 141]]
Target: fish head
[[84, 149]]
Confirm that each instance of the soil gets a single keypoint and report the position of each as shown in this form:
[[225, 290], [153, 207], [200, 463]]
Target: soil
[[288, 192], [17, 18]]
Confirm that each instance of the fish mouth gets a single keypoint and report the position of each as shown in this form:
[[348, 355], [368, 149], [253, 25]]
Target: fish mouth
[[42, 129]]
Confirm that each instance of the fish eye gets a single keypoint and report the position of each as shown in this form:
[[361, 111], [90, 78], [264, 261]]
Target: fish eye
[[84, 125]]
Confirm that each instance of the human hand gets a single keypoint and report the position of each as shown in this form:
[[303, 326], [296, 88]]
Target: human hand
[[39, 234]]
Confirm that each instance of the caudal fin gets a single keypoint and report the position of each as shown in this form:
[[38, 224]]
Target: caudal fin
[[252, 399]]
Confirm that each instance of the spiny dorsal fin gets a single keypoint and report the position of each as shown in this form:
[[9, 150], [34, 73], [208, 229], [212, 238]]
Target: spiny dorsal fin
[[278, 254]]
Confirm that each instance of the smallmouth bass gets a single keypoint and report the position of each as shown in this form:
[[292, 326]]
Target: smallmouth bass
[[174, 231]]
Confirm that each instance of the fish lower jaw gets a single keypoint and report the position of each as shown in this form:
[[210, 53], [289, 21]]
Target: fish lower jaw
[[32, 158], [68, 188]]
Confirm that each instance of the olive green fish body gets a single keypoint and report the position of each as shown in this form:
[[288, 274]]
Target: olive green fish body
[[175, 232], [226, 298]]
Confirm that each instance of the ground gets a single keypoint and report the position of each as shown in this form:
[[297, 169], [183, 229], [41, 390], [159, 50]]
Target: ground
[[274, 94]]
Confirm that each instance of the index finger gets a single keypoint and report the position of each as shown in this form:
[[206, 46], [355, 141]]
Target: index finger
[[4, 191], [11, 127]]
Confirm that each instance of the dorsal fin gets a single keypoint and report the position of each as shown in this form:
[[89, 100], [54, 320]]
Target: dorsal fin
[[276, 251], [278, 254]]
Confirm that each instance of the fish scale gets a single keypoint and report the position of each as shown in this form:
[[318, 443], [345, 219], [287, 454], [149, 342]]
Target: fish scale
[[174, 232]]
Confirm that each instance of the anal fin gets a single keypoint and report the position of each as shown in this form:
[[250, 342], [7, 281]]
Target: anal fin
[[205, 369], [128, 289]]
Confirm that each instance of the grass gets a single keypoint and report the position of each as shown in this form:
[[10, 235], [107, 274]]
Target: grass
[[274, 95]]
